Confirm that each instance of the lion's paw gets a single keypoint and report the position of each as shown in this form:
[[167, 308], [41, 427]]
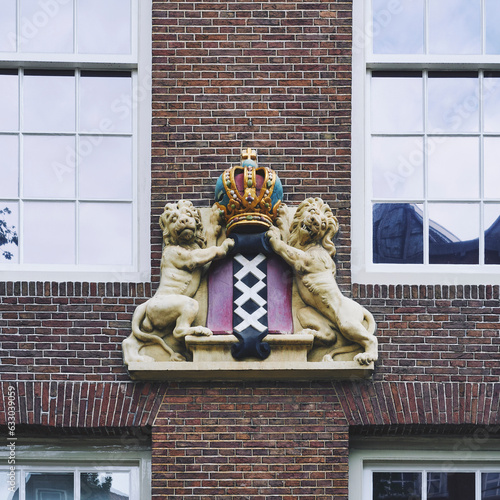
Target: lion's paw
[[177, 357], [200, 331], [365, 358]]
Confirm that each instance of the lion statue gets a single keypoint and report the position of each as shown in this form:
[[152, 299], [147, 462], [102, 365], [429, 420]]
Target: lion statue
[[310, 251], [184, 256]]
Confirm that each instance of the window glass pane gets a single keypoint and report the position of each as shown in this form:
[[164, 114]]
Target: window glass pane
[[492, 18], [46, 26], [397, 167], [105, 233], [491, 167], [397, 104], [49, 486], [9, 236], [97, 20], [492, 233], [9, 101], [453, 102], [9, 149], [397, 486], [490, 485], [49, 166], [8, 26], [450, 486], [49, 102], [398, 27], [106, 102], [454, 26], [491, 100], [105, 486], [397, 233], [454, 168], [9, 485], [453, 233], [106, 171], [49, 233]]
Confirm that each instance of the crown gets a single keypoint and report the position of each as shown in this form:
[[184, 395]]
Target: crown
[[248, 195]]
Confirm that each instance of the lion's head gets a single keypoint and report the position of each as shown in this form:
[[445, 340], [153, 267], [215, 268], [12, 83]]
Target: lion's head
[[314, 223], [181, 224]]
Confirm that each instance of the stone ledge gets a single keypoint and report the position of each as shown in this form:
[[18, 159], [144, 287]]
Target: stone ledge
[[212, 360]]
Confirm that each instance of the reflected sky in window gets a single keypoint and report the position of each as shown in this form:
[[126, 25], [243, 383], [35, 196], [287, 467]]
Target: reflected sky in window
[[454, 26], [397, 103], [453, 102], [8, 26], [49, 103], [97, 19], [397, 171], [491, 98], [9, 149], [9, 232], [49, 232], [492, 18], [398, 27], [9, 102], [48, 29]]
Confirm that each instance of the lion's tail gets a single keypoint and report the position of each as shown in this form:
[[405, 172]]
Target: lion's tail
[[137, 318]]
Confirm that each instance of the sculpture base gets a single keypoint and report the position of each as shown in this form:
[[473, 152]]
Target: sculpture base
[[212, 360]]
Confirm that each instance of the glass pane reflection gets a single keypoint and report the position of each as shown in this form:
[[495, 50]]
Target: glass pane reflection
[[491, 100], [492, 18], [492, 234], [107, 226], [8, 28], [97, 19], [453, 233], [9, 149], [6, 483], [450, 485], [105, 486], [491, 168], [398, 27], [490, 486], [397, 102], [53, 486], [49, 101], [453, 102], [397, 233], [46, 26], [9, 101], [454, 168], [397, 167], [49, 233], [454, 26], [397, 486], [9, 234]]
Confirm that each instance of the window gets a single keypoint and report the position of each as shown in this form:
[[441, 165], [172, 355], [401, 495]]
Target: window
[[463, 469], [426, 102], [69, 470], [74, 129]]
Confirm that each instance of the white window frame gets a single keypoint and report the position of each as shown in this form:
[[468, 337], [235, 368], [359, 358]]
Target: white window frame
[[76, 456], [139, 62], [473, 453], [364, 61]]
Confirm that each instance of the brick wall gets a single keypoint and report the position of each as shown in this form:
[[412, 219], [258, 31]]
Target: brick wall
[[274, 76]]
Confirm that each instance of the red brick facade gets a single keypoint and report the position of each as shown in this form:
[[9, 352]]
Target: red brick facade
[[275, 76]]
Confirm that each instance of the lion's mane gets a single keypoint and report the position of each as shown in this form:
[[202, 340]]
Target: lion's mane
[[169, 208], [331, 220]]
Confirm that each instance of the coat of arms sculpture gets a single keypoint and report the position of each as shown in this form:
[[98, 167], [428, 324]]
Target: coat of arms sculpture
[[248, 290]]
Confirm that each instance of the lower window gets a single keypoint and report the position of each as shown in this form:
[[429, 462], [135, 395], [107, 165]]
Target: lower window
[[465, 468], [76, 472]]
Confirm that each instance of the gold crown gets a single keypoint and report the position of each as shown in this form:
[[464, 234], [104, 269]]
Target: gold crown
[[248, 195]]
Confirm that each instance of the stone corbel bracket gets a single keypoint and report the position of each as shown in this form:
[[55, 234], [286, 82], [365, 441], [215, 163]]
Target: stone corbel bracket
[[212, 360]]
